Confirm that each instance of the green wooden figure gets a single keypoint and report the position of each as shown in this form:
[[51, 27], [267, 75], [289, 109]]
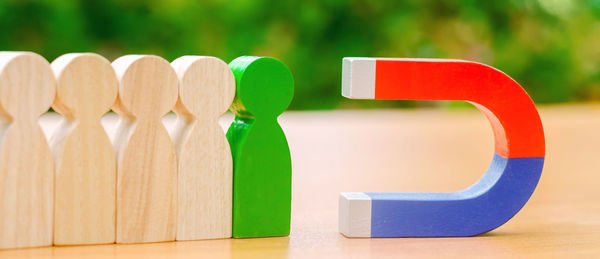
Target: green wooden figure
[[262, 167]]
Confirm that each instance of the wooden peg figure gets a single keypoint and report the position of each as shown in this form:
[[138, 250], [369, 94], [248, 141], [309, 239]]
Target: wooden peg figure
[[27, 88], [85, 181], [261, 156], [205, 173], [146, 165]]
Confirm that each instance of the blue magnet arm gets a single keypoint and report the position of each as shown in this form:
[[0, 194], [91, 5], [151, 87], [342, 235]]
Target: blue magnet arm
[[486, 205]]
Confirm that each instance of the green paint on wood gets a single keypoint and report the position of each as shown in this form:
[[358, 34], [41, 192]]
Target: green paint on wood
[[262, 167]]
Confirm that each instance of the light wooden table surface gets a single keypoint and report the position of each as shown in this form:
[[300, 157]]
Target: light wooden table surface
[[406, 150]]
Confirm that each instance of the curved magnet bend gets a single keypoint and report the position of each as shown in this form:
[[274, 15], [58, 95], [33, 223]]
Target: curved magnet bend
[[503, 190]]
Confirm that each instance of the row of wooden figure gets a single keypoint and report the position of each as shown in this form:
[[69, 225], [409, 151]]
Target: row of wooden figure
[[148, 185]]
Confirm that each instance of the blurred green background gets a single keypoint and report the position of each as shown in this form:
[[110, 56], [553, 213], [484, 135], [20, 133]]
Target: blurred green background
[[549, 46]]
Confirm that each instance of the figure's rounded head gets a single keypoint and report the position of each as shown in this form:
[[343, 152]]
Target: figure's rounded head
[[148, 86], [265, 86], [206, 85], [86, 85], [27, 84]]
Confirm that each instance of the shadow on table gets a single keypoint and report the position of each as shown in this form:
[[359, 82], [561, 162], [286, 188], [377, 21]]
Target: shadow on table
[[269, 247]]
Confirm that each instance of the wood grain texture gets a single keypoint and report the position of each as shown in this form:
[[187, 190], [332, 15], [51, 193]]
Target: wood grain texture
[[146, 165], [85, 180], [205, 167], [27, 88], [432, 150]]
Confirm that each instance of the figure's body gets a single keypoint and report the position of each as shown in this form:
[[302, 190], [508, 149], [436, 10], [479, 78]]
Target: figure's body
[[146, 165], [261, 156], [26, 166], [205, 167], [85, 162]]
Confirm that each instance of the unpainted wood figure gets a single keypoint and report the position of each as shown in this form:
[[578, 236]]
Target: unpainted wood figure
[[205, 167], [146, 165], [27, 88], [84, 197]]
